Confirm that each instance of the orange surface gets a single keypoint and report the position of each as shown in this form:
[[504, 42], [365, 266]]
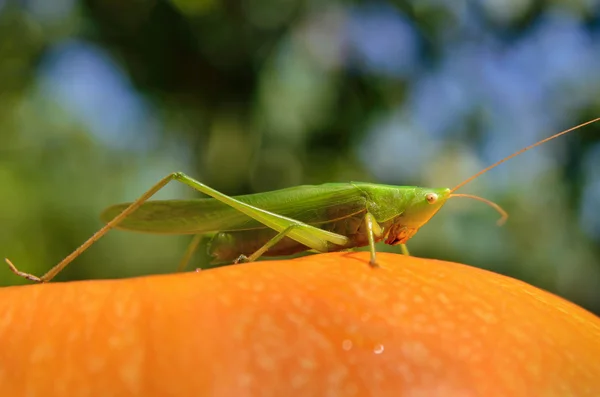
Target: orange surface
[[323, 325]]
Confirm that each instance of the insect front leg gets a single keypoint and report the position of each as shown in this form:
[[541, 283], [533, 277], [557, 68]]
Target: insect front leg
[[404, 249], [373, 230]]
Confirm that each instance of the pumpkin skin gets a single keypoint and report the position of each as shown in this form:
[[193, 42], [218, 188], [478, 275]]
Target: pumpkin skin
[[321, 325]]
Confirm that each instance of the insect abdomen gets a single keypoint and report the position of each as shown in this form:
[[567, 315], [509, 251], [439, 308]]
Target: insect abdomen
[[228, 246]]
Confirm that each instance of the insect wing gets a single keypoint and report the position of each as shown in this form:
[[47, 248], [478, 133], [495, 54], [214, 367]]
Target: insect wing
[[309, 204]]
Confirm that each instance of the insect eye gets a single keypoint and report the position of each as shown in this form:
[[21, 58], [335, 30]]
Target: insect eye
[[431, 198]]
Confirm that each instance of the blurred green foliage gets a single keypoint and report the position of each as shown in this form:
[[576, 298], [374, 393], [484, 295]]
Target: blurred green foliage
[[100, 99]]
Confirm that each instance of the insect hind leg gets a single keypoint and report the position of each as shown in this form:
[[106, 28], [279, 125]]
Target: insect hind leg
[[310, 236], [50, 274]]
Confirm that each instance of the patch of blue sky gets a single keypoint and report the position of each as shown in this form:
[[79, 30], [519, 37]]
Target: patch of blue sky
[[382, 41], [516, 88], [441, 99], [50, 11], [87, 82], [393, 152], [526, 86]]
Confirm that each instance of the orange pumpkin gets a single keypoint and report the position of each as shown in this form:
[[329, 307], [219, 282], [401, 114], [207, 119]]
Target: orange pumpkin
[[322, 325]]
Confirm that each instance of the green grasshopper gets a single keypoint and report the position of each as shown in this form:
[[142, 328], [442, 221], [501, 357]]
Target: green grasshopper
[[321, 218]]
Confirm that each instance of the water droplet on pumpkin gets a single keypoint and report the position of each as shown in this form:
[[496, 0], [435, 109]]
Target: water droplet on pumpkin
[[347, 344], [378, 349]]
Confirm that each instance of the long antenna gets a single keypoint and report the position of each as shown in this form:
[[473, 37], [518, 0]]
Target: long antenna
[[519, 152]]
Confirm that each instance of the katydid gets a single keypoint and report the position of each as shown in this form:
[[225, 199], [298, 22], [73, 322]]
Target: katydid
[[321, 218]]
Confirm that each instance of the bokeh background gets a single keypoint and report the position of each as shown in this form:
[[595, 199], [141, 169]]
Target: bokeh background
[[100, 99]]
